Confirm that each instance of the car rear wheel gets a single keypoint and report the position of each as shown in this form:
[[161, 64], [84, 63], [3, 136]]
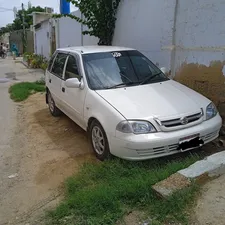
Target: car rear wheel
[[99, 141], [52, 107]]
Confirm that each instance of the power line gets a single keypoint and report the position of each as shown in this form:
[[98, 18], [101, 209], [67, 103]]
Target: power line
[[6, 9]]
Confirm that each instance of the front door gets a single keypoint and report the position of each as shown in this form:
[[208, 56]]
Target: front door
[[73, 98]]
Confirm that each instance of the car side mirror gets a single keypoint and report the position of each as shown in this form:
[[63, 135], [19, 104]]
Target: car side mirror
[[73, 83]]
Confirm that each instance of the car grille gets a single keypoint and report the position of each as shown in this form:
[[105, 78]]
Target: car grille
[[178, 121], [210, 136], [171, 149]]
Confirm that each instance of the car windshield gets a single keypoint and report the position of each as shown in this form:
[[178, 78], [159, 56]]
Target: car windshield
[[107, 70]]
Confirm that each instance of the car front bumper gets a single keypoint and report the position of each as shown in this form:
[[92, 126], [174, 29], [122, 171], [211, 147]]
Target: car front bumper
[[154, 145]]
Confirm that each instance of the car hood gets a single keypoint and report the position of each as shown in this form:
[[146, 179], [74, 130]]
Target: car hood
[[158, 100]]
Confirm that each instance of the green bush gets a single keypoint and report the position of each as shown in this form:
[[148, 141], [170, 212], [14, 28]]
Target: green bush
[[35, 61]]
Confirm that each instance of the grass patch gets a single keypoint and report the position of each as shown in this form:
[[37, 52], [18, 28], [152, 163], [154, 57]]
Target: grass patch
[[21, 91], [103, 193]]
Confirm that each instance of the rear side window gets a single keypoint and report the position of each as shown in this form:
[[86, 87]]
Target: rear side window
[[58, 65], [72, 68]]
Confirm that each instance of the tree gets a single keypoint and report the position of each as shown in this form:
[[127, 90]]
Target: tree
[[99, 17], [6, 29], [18, 22]]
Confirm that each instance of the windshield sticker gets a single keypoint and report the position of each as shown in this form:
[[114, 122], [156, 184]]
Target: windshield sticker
[[116, 54]]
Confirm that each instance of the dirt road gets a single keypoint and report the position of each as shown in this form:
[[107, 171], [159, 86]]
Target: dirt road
[[49, 150], [210, 207], [37, 153]]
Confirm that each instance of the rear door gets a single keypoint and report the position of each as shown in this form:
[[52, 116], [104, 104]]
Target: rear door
[[73, 98], [55, 78]]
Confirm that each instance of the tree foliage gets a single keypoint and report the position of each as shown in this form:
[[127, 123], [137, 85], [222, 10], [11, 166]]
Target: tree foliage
[[99, 16], [18, 22], [6, 29]]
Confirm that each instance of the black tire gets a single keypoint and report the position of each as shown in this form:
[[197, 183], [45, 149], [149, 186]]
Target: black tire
[[105, 154], [52, 107]]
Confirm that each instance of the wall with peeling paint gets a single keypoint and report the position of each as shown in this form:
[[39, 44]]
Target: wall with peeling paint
[[200, 47], [200, 34], [146, 25]]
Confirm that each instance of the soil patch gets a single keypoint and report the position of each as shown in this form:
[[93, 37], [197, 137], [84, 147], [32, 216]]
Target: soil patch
[[52, 150]]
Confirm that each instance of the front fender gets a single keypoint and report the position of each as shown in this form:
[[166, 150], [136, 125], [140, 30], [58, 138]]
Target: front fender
[[98, 108]]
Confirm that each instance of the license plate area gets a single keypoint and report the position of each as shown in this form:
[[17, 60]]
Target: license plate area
[[190, 142]]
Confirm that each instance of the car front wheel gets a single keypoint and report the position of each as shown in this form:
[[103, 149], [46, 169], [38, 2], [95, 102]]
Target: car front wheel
[[99, 141], [52, 107]]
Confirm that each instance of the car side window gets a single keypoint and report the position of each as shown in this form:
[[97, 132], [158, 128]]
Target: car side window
[[72, 68], [58, 65], [51, 62]]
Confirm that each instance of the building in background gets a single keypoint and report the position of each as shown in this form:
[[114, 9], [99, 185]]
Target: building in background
[[15, 37], [51, 33], [42, 30]]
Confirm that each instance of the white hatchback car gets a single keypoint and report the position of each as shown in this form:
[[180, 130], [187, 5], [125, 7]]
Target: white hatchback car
[[127, 105]]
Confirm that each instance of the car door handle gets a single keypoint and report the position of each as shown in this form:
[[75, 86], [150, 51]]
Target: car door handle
[[63, 89]]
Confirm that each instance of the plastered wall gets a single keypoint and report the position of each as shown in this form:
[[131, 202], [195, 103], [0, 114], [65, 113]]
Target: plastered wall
[[200, 48]]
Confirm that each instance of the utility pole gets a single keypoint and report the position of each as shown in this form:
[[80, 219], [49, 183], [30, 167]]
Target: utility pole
[[82, 29], [24, 29]]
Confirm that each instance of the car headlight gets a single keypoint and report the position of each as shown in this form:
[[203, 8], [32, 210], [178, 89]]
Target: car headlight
[[211, 111], [136, 127]]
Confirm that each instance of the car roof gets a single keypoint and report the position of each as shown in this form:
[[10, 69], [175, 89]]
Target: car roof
[[94, 49]]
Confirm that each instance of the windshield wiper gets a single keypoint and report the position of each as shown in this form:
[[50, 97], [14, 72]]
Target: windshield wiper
[[130, 82], [123, 75], [150, 78], [122, 85]]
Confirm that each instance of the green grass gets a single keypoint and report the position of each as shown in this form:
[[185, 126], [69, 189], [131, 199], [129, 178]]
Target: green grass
[[103, 193], [21, 91]]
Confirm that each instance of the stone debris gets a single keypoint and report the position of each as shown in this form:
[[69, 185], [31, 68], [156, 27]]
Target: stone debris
[[13, 175]]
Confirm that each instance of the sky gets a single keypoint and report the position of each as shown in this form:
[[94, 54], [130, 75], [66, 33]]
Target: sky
[[6, 7]]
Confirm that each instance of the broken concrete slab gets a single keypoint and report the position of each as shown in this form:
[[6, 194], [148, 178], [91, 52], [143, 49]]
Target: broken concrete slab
[[200, 172], [170, 185], [218, 158], [197, 169]]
